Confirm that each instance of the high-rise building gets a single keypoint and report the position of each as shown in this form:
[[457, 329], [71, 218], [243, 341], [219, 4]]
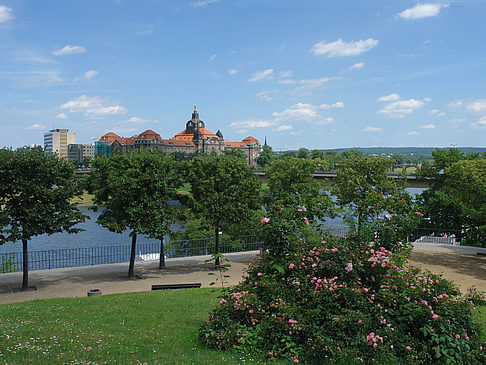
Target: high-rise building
[[57, 141], [81, 152]]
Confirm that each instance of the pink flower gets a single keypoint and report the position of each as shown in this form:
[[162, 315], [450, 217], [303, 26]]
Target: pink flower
[[435, 316], [306, 221], [334, 250], [296, 360], [408, 348], [222, 301], [259, 274], [291, 266], [265, 220], [251, 311], [419, 214], [360, 321], [436, 351], [458, 336], [349, 267], [388, 216]]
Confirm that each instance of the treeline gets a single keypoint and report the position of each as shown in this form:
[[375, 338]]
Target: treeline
[[222, 194]]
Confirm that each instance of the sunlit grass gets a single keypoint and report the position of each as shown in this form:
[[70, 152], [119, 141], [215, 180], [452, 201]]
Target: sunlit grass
[[154, 327]]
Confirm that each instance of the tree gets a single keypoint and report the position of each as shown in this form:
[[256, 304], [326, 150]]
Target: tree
[[224, 191], [35, 198], [303, 153], [134, 189], [291, 184], [266, 156], [360, 185]]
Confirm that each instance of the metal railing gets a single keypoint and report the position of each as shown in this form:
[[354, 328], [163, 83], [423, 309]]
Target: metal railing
[[87, 256]]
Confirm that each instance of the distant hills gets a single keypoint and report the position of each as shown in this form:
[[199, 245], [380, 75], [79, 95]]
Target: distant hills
[[410, 151]]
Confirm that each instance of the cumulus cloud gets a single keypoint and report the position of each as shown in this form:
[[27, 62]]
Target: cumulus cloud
[[233, 71], [264, 95], [391, 97], [202, 3], [372, 129], [262, 75], [92, 107], [399, 109], [253, 124], [137, 120], [481, 123], [69, 50], [356, 66], [325, 121], [5, 14], [36, 126], [413, 133], [88, 75], [428, 126], [477, 106], [456, 104], [422, 11], [340, 48], [287, 82], [298, 111], [337, 105], [283, 128], [61, 116]]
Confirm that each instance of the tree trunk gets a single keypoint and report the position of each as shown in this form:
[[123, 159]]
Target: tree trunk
[[25, 259], [216, 243], [162, 256], [132, 255]]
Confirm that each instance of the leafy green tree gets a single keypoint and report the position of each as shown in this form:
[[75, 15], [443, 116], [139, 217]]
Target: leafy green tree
[[236, 152], [360, 185], [318, 154], [35, 198], [134, 189], [291, 184], [303, 153], [224, 191], [266, 156]]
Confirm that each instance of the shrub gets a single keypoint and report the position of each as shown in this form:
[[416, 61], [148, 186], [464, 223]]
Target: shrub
[[338, 301]]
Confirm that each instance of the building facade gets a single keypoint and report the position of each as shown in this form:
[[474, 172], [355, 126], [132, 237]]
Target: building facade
[[194, 138], [81, 152], [57, 141]]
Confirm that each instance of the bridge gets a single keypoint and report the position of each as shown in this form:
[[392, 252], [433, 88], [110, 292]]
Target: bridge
[[329, 176]]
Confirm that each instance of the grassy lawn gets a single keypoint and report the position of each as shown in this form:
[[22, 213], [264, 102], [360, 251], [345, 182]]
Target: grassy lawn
[[86, 200], [153, 327]]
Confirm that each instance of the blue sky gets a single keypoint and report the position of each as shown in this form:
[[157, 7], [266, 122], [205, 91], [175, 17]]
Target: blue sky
[[314, 74]]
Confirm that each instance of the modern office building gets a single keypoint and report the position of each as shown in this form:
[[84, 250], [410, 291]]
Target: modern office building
[[57, 141], [81, 152]]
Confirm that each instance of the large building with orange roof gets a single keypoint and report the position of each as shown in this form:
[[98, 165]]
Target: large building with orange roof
[[195, 138]]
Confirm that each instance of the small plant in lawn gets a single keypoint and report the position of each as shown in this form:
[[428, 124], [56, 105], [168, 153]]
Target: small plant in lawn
[[339, 300], [222, 267]]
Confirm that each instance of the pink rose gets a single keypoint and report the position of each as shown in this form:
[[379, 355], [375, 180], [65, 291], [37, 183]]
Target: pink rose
[[291, 266], [265, 220], [419, 214]]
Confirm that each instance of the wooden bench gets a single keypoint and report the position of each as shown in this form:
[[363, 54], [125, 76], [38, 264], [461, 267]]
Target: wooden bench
[[176, 286]]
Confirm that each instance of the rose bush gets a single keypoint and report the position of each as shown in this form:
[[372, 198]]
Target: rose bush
[[335, 300]]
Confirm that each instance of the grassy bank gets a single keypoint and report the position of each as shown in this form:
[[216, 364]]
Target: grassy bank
[[154, 327]]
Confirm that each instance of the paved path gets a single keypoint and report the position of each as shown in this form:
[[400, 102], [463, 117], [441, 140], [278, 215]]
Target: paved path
[[457, 263]]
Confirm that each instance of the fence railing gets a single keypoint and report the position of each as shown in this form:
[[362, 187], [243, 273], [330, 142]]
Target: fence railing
[[87, 256]]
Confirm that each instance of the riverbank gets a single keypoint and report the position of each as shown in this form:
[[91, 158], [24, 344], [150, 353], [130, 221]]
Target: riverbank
[[459, 264]]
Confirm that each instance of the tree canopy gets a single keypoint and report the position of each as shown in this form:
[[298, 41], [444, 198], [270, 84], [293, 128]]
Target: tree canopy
[[224, 191], [134, 190], [35, 198]]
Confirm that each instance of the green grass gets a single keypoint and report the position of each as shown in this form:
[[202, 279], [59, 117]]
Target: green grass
[[85, 200], [154, 327]]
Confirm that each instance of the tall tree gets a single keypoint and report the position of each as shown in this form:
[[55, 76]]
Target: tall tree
[[134, 189], [224, 191], [291, 184], [361, 183], [35, 198], [266, 156]]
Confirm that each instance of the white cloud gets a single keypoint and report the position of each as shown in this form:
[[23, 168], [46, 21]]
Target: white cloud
[[372, 129], [262, 75], [337, 105], [92, 107], [340, 48], [428, 126], [455, 104], [356, 66], [391, 97], [69, 50], [422, 11], [253, 124], [285, 74], [413, 133], [481, 123], [477, 106], [264, 95], [5, 14], [137, 120], [202, 3], [434, 111], [36, 126], [283, 128], [308, 85], [61, 116], [298, 111], [458, 120], [287, 82], [212, 58], [88, 75], [325, 121], [398, 109], [233, 71]]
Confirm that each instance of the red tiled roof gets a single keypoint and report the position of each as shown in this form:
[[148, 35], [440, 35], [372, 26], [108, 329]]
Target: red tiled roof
[[149, 134], [205, 133], [110, 136], [179, 142], [250, 140]]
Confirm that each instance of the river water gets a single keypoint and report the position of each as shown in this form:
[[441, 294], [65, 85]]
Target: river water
[[95, 235]]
